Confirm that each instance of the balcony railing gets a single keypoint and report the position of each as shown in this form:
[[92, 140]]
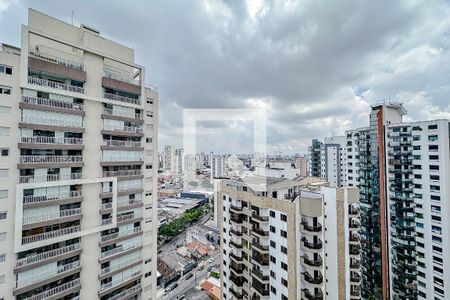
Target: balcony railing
[[110, 111], [51, 216], [51, 121], [309, 296], [121, 143], [312, 263], [120, 173], [55, 85], [260, 218], [120, 249], [120, 265], [116, 281], [121, 98], [119, 234], [126, 293], [51, 197], [48, 274], [50, 234], [312, 245], [57, 60], [29, 260], [313, 280], [131, 129], [312, 228], [56, 290], [117, 76], [50, 140], [37, 159], [52, 103], [49, 177]]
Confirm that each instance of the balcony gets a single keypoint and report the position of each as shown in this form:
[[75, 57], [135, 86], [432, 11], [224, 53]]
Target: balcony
[[68, 63], [235, 232], [50, 159], [355, 278], [259, 274], [120, 250], [236, 209], [262, 259], [261, 288], [311, 228], [50, 140], [260, 232], [116, 143], [260, 218], [121, 234], [235, 257], [45, 256], [236, 245], [236, 294], [261, 248], [55, 85], [49, 177], [312, 263], [119, 98], [50, 234], [353, 211], [51, 197], [317, 245], [46, 275], [309, 296], [55, 122], [57, 215], [56, 293], [128, 129], [126, 294], [355, 293], [237, 280], [125, 264], [117, 281], [112, 112], [123, 173], [54, 105], [237, 267], [313, 280]]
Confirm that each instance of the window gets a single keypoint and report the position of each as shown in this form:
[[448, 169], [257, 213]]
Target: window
[[284, 282], [272, 214], [3, 215], [273, 259], [3, 194], [149, 260], [284, 266], [433, 148], [147, 274], [283, 217], [283, 233], [4, 152], [283, 297], [2, 258], [272, 229], [416, 147], [432, 127], [432, 138], [5, 70], [284, 249], [148, 140], [150, 100], [5, 90], [273, 275], [435, 198], [148, 194], [273, 290], [148, 167], [273, 244]]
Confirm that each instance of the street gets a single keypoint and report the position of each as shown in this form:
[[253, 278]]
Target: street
[[186, 285]]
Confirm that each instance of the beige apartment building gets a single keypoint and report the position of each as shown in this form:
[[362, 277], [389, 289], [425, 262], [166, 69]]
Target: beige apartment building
[[78, 144], [289, 239]]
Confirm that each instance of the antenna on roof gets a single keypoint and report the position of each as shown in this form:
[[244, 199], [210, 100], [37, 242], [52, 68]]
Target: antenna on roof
[[73, 13]]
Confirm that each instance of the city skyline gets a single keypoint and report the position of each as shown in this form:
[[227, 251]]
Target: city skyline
[[327, 64]]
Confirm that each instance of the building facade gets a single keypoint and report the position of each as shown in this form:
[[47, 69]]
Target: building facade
[[169, 159], [79, 134], [279, 240], [314, 163], [418, 196]]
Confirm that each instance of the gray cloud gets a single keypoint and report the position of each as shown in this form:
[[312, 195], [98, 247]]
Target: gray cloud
[[315, 65]]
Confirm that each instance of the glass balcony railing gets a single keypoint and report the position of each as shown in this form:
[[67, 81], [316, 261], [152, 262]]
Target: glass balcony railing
[[119, 98], [50, 140], [43, 256], [55, 85], [49, 177], [48, 274], [33, 159], [52, 103], [57, 60], [55, 291], [51, 197], [27, 220], [50, 234], [62, 122]]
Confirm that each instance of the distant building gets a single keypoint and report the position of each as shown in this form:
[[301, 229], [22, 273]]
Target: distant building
[[169, 158], [314, 165], [218, 167]]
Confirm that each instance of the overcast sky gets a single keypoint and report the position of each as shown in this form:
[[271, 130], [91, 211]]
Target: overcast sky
[[316, 66]]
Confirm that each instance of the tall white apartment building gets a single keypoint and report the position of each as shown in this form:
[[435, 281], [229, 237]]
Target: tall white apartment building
[[179, 161], [333, 160], [169, 158], [218, 167], [314, 162], [418, 170], [78, 129], [278, 168], [285, 239]]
